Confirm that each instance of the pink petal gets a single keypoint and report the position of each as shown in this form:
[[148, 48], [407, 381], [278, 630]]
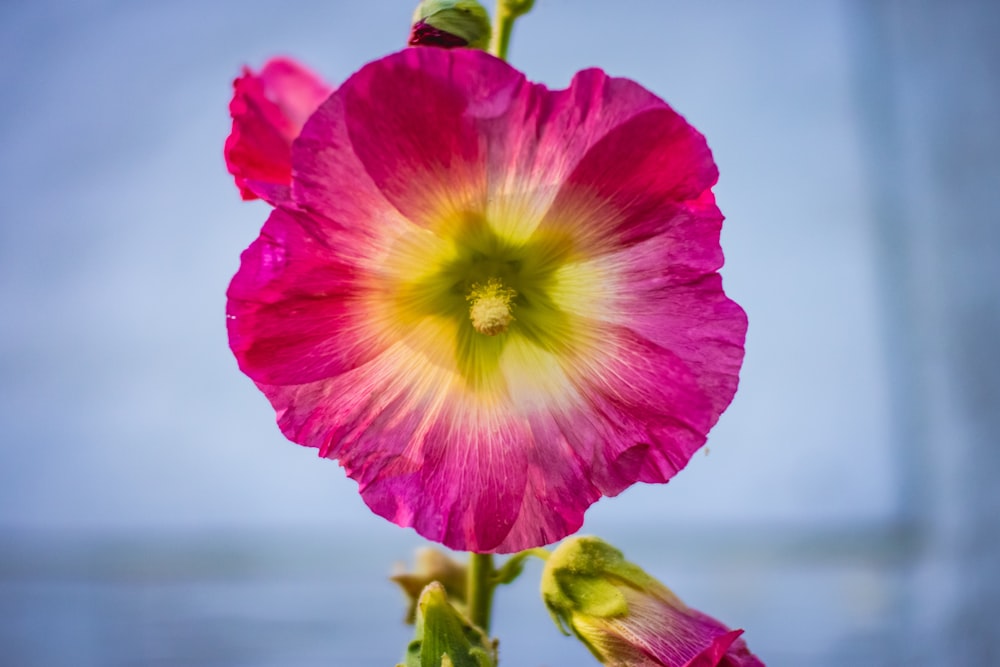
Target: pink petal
[[643, 168], [630, 411], [407, 124], [640, 398], [673, 635], [664, 288], [713, 655], [422, 455], [293, 293], [739, 655], [268, 111], [698, 323]]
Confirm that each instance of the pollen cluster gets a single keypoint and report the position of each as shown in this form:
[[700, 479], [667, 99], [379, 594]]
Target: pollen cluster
[[490, 307]]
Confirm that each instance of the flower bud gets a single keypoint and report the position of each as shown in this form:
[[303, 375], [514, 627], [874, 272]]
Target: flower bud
[[450, 24], [627, 618], [444, 637], [269, 108]]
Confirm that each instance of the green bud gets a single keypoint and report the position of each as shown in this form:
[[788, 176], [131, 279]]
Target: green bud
[[588, 576], [446, 638], [626, 617], [451, 23]]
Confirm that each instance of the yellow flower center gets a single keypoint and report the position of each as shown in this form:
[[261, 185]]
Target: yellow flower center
[[490, 307], [472, 294]]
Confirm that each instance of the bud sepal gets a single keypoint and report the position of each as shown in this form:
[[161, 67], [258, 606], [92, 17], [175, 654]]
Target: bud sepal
[[446, 638]]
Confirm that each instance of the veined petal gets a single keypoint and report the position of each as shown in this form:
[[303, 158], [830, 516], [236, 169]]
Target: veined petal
[[425, 452], [640, 398], [407, 123], [543, 136], [639, 172], [694, 320], [612, 410], [297, 311], [672, 634]]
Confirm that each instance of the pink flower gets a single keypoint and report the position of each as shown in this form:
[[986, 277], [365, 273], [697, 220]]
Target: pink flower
[[269, 110], [492, 302], [629, 619]]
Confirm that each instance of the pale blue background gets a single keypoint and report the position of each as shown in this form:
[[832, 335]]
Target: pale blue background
[[151, 514]]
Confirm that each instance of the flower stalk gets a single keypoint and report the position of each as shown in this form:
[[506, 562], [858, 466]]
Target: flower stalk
[[480, 589], [507, 12]]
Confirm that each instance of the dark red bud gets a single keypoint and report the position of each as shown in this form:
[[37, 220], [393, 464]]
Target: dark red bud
[[424, 34]]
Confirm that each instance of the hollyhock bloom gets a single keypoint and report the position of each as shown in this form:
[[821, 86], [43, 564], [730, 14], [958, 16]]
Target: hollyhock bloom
[[493, 303], [629, 619], [268, 110]]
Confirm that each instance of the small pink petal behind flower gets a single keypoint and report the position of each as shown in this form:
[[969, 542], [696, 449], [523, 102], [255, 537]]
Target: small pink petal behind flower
[[268, 111]]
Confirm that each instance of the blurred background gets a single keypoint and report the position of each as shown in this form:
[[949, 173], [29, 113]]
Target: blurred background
[[846, 511]]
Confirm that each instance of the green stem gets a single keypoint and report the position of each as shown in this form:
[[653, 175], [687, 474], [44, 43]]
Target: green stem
[[503, 28], [506, 13], [480, 589], [539, 553]]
